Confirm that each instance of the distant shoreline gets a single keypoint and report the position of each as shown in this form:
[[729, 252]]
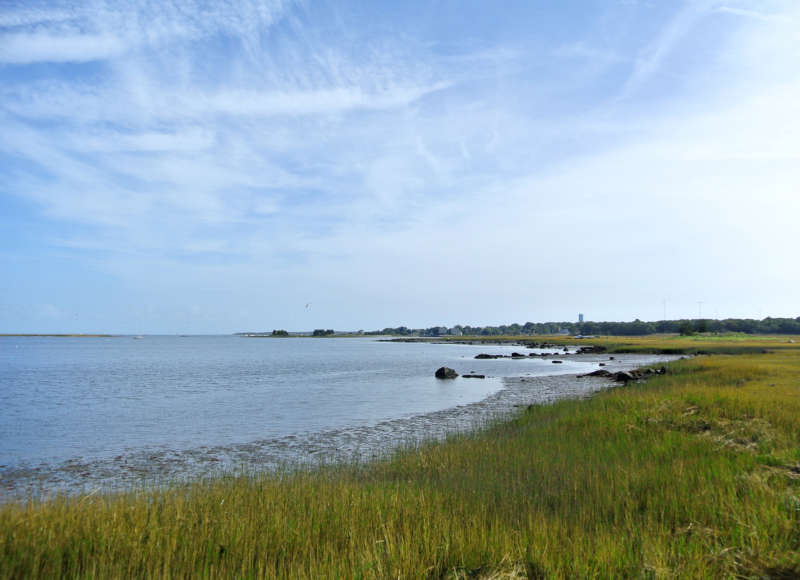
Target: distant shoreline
[[23, 335]]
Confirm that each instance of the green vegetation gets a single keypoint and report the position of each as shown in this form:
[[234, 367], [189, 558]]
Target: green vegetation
[[734, 343], [279, 333], [322, 332], [695, 473], [768, 325]]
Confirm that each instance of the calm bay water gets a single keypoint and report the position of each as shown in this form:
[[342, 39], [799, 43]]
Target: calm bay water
[[93, 398]]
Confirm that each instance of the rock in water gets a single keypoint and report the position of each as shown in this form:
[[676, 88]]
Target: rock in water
[[474, 376], [445, 373]]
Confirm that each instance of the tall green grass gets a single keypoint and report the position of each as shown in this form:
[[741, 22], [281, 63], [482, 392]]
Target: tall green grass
[[693, 474]]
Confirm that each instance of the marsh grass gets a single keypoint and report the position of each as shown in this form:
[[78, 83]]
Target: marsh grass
[[695, 473]]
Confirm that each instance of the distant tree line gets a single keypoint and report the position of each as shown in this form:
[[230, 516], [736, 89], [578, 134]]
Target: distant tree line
[[322, 332], [768, 325]]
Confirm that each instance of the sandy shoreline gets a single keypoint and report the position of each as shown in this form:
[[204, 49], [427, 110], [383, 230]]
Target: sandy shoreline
[[154, 466]]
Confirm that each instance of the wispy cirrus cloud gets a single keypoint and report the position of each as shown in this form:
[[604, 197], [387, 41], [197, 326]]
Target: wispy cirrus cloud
[[27, 48], [30, 15], [749, 10], [65, 32], [268, 145], [651, 57]]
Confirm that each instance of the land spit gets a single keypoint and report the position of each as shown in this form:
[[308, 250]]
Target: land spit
[[154, 466]]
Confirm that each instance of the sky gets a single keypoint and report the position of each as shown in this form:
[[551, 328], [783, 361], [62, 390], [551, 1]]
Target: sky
[[214, 167]]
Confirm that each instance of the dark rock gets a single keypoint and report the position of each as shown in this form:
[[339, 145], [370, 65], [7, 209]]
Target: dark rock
[[556, 362], [598, 373], [611, 358], [591, 349], [517, 355], [487, 356], [473, 376], [445, 373], [602, 364], [623, 377]]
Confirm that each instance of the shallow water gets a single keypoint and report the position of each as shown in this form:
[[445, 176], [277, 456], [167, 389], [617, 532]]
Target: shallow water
[[78, 412]]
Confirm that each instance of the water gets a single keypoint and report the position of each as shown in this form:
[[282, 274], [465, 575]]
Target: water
[[113, 409]]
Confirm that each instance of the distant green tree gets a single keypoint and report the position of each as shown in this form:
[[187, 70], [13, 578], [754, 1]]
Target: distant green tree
[[279, 333], [636, 328]]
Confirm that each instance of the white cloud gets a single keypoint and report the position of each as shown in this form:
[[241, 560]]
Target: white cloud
[[325, 101], [33, 16], [24, 48], [399, 168], [749, 13], [649, 60], [189, 140], [108, 31]]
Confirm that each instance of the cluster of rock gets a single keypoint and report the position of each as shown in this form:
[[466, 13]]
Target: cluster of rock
[[541, 345], [448, 373], [626, 376], [591, 349], [518, 355]]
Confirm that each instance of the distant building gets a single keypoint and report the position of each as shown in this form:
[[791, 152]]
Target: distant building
[[580, 317]]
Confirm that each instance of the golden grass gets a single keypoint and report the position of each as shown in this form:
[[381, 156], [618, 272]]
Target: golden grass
[[693, 474]]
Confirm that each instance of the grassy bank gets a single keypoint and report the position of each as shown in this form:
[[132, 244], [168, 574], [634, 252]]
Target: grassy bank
[[694, 473], [694, 344]]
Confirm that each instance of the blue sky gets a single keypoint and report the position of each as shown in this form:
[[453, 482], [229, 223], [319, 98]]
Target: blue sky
[[182, 167]]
